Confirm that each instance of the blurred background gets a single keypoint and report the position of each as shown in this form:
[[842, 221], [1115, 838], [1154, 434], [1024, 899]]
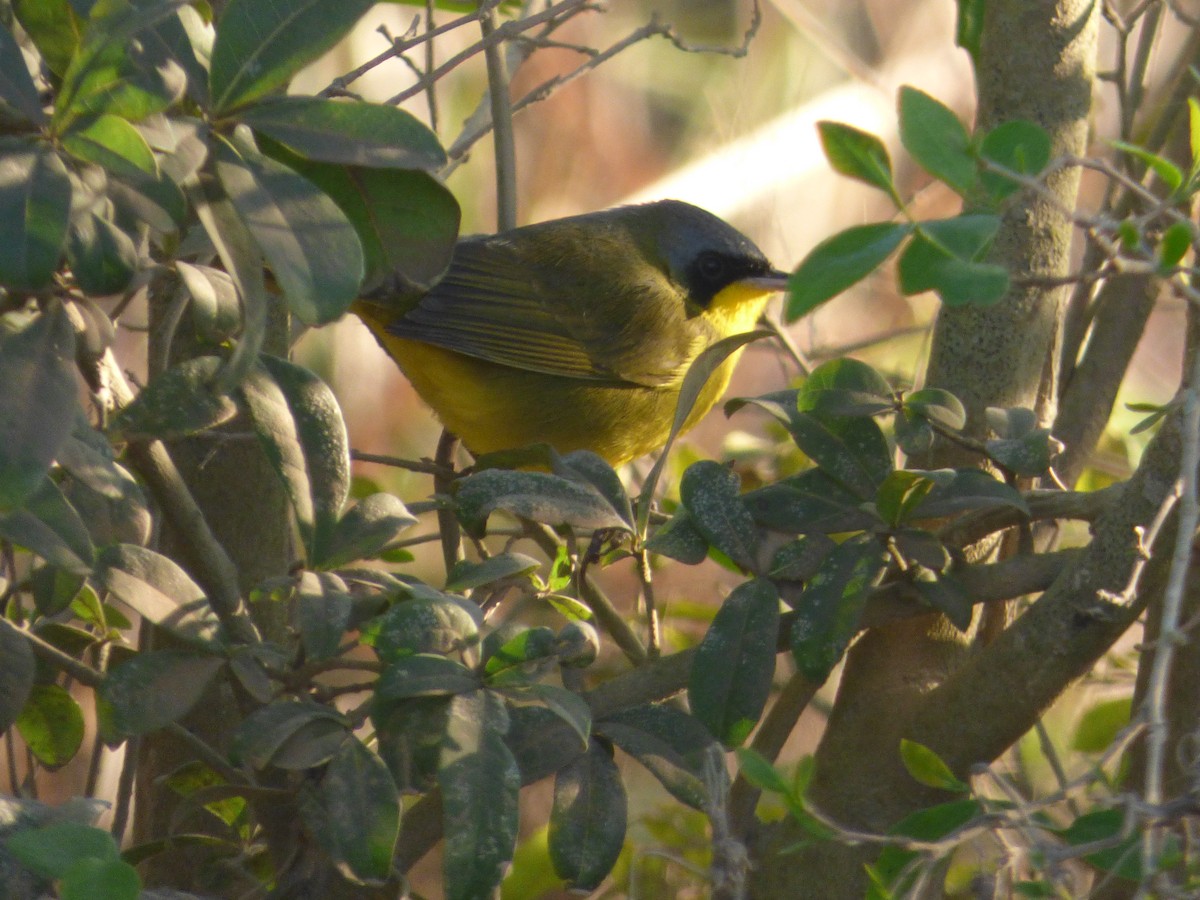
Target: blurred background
[[734, 134]]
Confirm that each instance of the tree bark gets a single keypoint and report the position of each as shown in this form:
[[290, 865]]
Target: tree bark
[[1036, 63]]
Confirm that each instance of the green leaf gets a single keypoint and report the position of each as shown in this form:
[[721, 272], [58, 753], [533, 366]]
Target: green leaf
[[266, 733], [711, 494], [125, 65], [947, 595], [1167, 172], [17, 90], [938, 406], [111, 142], [113, 879], [54, 27], [300, 427], [1174, 245], [844, 387], [939, 821], [38, 404], [51, 724], [853, 451], [943, 256], [828, 610], [16, 674], [243, 262], [159, 590], [424, 625], [366, 529], [812, 502], [361, 812], [424, 675], [545, 498], [323, 607], [928, 768], [758, 771], [480, 781], [1018, 146], [523, 655], [859, 155], [51, 850], [1107, 825], [680, 539], [1194, 136], [735, 662], [467, 575], [311, 246], [675, 748], [936, 139], [960, 490], [410, 734], [1022, 447], [407, 221], [702, 368], [589, 468], [102, 257], [900, 493], [52, 528], [35, 202], [214, 306], [352, 133], [799, 560], [840, 261], [1099, 726], [587, 821], [176, 403], [567, 705], [661, 760], [152, 690], [968, 30], [260, 46]]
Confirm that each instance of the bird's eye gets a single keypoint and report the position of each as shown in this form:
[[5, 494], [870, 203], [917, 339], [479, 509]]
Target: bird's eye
[[710, 266]]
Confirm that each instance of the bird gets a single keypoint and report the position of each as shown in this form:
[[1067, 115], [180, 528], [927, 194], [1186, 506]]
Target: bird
[[577, 332]]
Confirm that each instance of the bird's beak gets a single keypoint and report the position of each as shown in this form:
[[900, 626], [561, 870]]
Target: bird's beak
[[773, 282]]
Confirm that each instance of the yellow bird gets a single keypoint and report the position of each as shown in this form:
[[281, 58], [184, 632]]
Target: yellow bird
[[577, 332]]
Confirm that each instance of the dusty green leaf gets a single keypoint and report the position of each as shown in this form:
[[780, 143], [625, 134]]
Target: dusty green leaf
[[735, 662], [587, 821], [711, 494], [17, 90], [153, 689], [349, 132], [300, 427], [828, 610], [366, 529], [539, 496], [181, 401], [362, 812], [17, 668], [38, 404], [424, 625], [480, 781], [309, 243], [260, 46], [159, 590]]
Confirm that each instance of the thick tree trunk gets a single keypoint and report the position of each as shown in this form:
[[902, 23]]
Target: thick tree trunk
[[247, 510], [1036, 63]]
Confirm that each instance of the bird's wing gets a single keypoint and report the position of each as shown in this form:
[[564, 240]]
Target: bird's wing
[[492, 305]]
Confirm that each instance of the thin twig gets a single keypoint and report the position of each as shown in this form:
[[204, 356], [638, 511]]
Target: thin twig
[[502, 130]]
